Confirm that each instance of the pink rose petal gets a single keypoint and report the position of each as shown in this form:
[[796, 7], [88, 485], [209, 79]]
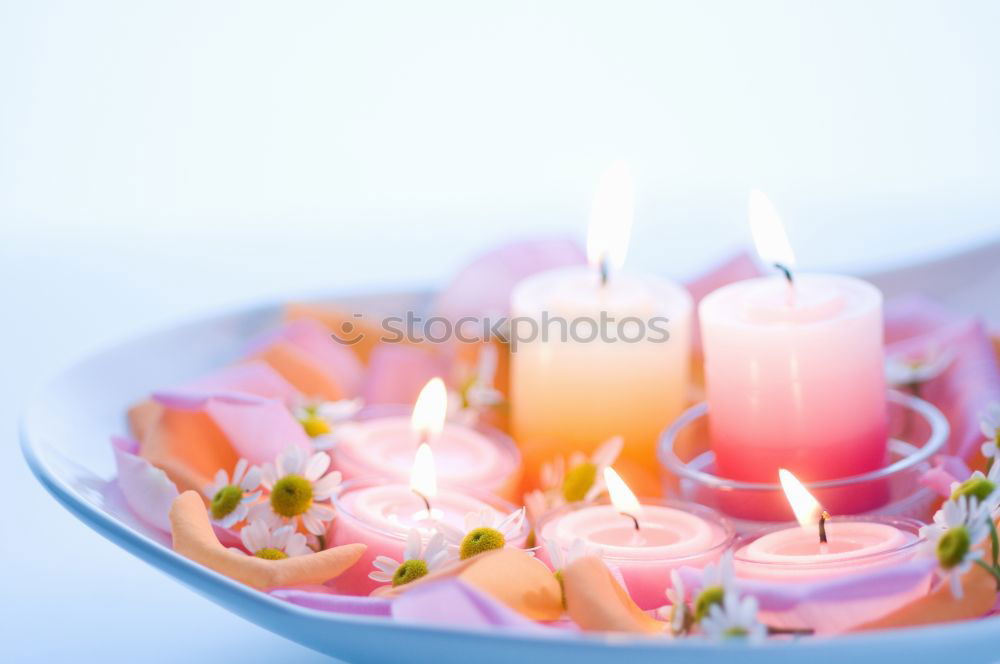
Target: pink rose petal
[[397, 373], [145, 487], [249, 378], [454, 603], [321, 599]]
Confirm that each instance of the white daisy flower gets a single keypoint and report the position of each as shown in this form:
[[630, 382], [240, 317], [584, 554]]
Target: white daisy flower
[[299, 489], [418, 559], [959, 527], [718, 579], [320, 418], [733, 618], [678, 614], [985, 489], [476, 392], [260, 540], [229, 498], [582, 478], [990, 425], [908, 369], [578, 548], [484, 531]]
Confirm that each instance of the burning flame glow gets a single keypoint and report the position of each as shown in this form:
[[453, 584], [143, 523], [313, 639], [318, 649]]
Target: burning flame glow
[[423, 478], [621, 496], [769, 232], [611, 217], [807, 509], [430, 410]]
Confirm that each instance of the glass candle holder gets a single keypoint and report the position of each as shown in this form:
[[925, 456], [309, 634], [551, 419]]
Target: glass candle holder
[[920, 431], [664, 536], [379, 442], [380, 514], [793, 556]]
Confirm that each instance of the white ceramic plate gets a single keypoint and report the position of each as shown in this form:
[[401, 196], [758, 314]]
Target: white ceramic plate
[[65, 440]]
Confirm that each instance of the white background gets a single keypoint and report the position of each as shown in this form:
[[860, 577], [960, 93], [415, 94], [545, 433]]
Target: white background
[[161, 159]]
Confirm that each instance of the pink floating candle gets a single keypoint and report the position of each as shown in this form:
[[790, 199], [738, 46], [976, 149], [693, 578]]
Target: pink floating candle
[[381, 514], [821, 549], [382, 440], [644, 541], [794, 377]]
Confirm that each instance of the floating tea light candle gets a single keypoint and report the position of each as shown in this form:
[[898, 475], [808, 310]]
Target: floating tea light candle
[[794, 378], [608, 353], [382, 440], [380, 514], [645, 541], [821, 548]]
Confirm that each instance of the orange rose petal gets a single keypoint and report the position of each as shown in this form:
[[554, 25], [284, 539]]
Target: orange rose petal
[[511, 576], [597, 603], [142, 418], [194, 539], [302, 371], [188, 446], [940, 606], [341, 323]]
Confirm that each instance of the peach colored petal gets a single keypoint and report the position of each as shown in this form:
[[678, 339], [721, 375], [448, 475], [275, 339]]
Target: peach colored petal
[[188, 446], [979, 596], [597, 602], [339, 322], [511, 576], [194, 538], [142, 417]]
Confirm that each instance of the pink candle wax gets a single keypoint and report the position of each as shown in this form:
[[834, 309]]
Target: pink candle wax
[[382, 442], [795, 379], [794, 555], [380, 515], [669, 536]]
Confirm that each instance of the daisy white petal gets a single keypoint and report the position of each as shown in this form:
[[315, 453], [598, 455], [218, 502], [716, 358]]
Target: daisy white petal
[[316, 466], [251, 480]]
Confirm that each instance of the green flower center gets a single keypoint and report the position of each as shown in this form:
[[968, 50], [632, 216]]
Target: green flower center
[[953, 546], [292, 495], [409, 571], [271, 554], [735, 633], [578, 481], [708, 598], [979, 488], [226, 500], [480, 540], [562, 585]]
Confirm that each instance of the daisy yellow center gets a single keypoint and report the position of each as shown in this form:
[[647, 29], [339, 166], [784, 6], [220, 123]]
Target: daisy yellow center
[[953, 547], [409, 571], [479, 540], [269, 553], [315, 426], [736, 633], [979, 488], [708, 598], [226, 500], [292, 495], [578, 481]]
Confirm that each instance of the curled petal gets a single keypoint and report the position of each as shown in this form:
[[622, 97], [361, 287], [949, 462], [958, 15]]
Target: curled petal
[[147, 489]]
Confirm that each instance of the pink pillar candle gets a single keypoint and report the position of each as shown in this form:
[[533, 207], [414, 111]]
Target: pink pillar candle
[[380, 514], [670, 535], [794, 376], [794, 555], [381, 443]]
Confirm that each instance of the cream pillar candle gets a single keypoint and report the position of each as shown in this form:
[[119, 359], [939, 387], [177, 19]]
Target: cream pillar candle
[[596, 355]]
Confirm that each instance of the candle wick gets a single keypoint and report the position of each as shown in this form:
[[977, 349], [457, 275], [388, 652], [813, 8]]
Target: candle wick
[[604, 269], [634, 520], [785, 271], [822, 526], [427, 503]]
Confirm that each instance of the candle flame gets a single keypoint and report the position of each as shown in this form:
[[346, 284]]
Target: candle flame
[[430, 410], [423, 478], [621, 496], [769, 232], [611, 217], [806, 508]]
